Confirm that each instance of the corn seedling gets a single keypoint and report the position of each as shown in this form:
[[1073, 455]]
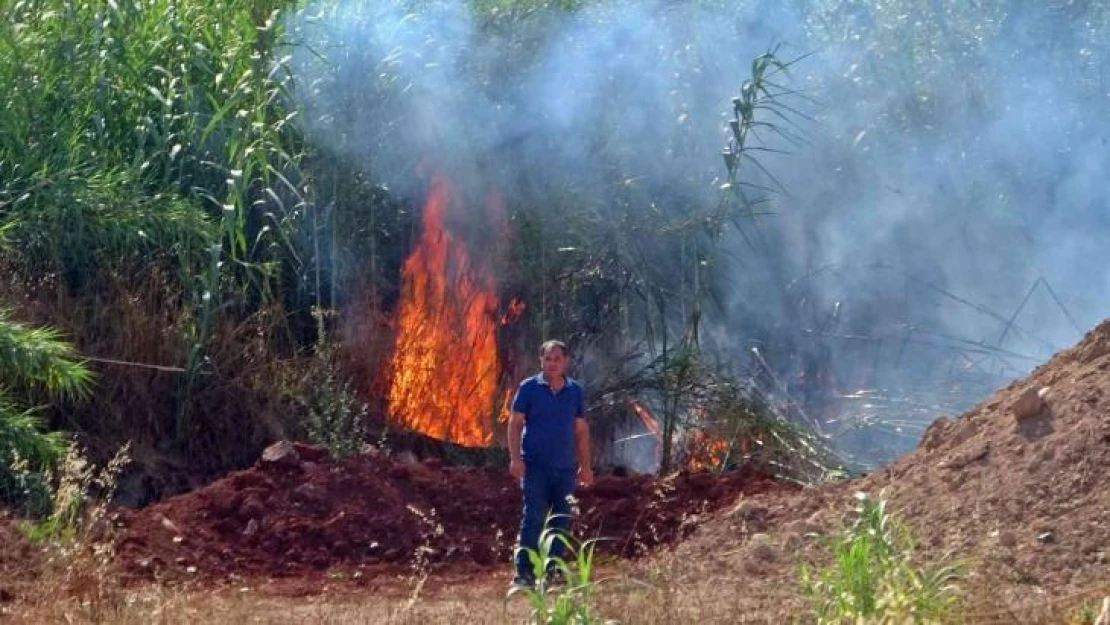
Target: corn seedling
[[569, 602]]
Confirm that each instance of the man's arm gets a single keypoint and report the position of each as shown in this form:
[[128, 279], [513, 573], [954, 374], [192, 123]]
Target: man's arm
[[582, 443], [516, 429]]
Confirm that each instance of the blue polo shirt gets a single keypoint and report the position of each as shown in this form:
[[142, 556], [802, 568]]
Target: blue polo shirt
[[549, 416]]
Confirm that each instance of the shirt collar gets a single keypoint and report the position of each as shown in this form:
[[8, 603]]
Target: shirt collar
[[543, 380]]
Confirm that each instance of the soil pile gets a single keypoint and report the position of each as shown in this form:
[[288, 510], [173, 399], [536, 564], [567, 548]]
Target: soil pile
[[1017, 489], [1020, 484], [296, 511]]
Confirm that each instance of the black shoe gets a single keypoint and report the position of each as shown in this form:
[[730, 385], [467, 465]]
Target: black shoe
[[522, 583], [555, 577]]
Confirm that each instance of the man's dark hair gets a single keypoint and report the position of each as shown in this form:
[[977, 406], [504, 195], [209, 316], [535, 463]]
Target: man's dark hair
[[553, 344]]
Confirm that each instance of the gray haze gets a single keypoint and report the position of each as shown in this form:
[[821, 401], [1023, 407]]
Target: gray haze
[[953, 159]]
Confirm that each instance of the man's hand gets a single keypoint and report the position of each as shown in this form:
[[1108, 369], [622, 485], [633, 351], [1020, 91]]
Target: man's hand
[[582, 450], [585, 476], [516, 459], [516, 468]]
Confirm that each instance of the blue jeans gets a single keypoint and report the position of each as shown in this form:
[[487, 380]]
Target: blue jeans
[[545, 491]]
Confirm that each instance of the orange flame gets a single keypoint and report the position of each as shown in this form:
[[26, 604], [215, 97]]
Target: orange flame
[[645, 415], [506, 406], [515, 310], [705, 451], [651, 424], [445, 364]]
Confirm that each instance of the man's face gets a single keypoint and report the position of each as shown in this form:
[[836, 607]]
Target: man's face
[[554, 362]]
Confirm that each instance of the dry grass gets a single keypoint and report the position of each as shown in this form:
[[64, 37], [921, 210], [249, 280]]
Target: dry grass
[[77, 585], [669, 589], [707, 604], [480, 602], [716, 577], [155, 604]]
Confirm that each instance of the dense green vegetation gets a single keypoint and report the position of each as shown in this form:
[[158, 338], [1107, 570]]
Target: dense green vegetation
[[228, 255], [149, 167], [34, 362]]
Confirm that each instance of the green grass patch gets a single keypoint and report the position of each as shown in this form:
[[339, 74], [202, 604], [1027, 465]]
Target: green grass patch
[[872, 577]]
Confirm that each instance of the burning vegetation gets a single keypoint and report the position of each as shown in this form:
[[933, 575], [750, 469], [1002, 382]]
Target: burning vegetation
[[450, 379], [445, 366], [451, 373]]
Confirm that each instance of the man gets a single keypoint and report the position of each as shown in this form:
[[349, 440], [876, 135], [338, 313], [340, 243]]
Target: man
[[549, 447]]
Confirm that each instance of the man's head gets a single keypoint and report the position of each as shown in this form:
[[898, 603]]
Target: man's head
[[554, 356]]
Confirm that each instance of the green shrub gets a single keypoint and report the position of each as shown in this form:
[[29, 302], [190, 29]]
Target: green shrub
[[872, 578], [335, 417], [80, 494], [32, 361]]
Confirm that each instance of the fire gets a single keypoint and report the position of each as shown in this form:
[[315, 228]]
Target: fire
[[705, 451], [445, 366], [513, 313], [649, 419], [651, 424]]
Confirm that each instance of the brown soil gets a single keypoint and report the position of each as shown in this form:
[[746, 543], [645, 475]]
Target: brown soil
[[1027, 500], [377, 514], [20, 561], [1023, 503]]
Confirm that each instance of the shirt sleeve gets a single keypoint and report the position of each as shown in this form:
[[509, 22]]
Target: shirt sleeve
[[580, 409], [522, 401]]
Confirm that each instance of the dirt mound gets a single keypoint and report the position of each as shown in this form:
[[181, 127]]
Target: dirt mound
[[300, 512], [1017, 489], [1020, 484]]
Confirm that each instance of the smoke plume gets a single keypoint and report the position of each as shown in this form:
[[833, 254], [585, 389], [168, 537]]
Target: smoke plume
[[954, 162]]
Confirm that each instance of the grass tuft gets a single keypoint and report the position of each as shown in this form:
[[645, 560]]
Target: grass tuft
[[872, 578]]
